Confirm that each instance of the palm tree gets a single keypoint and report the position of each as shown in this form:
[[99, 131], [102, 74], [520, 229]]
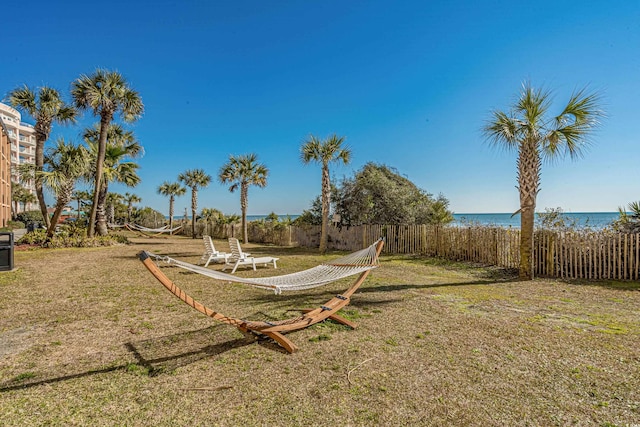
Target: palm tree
[[241, 172], [80, 197], [113, 200], [19, 194], [325, 152], [171, 190], [46, 107], [129, 199], [117, 167], [64, 164], [527, 129], [106, 93], [194, 179], [211, 215], [628, 222]]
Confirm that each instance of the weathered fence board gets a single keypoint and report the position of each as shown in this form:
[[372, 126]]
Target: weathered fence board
[[567, 254]]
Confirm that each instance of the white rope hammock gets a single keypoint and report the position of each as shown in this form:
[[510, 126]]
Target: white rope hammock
[[163, 229], [348, 265]]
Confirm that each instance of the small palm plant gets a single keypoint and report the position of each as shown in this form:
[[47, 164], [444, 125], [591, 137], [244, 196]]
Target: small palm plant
[[65, 163], [628, 222]]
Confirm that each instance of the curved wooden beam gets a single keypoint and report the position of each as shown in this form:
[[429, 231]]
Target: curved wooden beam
[[275, 329]]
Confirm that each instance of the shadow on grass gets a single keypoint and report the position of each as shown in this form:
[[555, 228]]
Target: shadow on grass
[[617, 285], [156, 356], [152, 354], [406, 286]]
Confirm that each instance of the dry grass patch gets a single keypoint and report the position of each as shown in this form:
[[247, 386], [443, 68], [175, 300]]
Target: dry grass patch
[[87, 336]]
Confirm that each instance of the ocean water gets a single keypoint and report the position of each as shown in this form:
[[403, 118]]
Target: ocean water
[[249, 217], [597, 220]]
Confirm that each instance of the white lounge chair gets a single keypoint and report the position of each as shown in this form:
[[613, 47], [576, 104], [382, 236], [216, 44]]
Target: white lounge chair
[[211, 253], [239, 258]]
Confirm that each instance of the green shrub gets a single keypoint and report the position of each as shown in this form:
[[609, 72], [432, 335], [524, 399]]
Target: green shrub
[[36, 237], [29, 216], [75, 239], [13, 225]]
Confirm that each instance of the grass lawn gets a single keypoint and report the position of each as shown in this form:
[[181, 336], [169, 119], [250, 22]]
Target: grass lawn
[[89, 337]]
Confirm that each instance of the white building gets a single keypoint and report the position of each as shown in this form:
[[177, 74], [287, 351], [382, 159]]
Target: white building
[[23, 145]]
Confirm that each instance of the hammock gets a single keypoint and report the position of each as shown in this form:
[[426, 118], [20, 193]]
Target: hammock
[[355, 263], [359, 262], [154, 231]]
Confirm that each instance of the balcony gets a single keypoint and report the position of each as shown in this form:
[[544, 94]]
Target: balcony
[[27, 141]]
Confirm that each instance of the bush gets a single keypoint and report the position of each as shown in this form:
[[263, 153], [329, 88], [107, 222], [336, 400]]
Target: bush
[[30, 216], [36, 237], [76, 239], [14, 225]]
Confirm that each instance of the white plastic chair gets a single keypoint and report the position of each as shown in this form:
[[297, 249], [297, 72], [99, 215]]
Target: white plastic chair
[[239, 258], [211, 253]]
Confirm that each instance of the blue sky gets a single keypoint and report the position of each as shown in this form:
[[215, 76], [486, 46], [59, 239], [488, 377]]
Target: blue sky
[[408, 83]]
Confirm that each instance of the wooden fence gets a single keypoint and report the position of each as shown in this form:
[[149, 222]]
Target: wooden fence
[[569, 254]]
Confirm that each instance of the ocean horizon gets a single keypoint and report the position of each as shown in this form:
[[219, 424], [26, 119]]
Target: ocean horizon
[[596, 220]]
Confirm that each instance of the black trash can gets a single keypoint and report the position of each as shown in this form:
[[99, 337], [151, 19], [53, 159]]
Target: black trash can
[[6, 251]]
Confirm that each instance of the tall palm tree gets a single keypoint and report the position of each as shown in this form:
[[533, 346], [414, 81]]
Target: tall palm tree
[[241, 172], [194, 179], [122, 146], [527, 129], [171, 190], [325, 152], [106, 93], [65, 163], [46, 107], [129, 199]]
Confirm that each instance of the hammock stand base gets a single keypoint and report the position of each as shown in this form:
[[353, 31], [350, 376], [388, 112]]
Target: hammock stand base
[[274, 330]]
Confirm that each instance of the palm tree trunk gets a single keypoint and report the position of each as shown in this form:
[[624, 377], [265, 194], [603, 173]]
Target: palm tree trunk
[[243, 206], [326, 203], [105, 119], [528, 182], [171, 199], [63, 200], [100, 213], [194, 208], [40, 139]]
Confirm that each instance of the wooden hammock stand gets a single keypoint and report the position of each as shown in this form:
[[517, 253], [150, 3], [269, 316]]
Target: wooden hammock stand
[[274, 330]]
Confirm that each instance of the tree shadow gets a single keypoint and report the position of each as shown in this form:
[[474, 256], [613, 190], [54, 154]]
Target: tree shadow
[[158, 355], [618, 285]]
